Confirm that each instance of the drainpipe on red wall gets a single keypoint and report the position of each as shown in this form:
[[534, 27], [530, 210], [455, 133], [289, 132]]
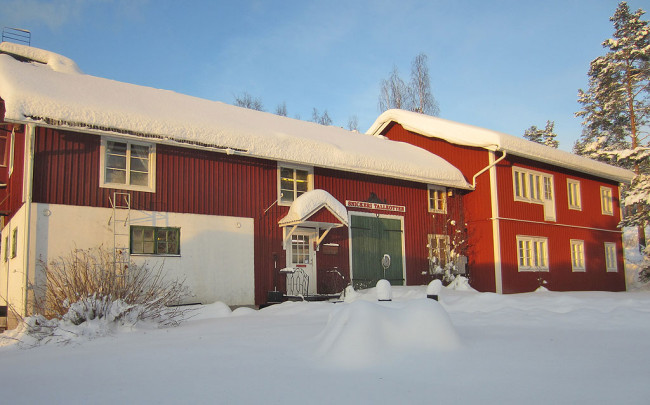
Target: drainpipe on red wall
[[30, 133]]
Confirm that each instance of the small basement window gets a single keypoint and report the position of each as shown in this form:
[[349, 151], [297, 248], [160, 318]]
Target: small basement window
[[152, 240]]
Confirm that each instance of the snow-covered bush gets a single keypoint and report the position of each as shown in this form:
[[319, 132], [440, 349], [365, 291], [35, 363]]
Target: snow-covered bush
[[87, 285]]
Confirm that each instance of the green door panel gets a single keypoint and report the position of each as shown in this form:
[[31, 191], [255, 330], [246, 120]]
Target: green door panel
[[373, 237]]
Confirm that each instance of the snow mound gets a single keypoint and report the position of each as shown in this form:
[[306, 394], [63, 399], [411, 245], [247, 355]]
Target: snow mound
[[362, 333], [460, 283], [211, 311], [54, 61]]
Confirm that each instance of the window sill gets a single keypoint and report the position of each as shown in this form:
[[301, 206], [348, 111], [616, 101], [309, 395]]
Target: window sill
[[117, 186], [154, 255], [437, 211], [532, 270]]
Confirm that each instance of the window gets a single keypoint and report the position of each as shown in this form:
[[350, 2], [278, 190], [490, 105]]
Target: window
[[127, 165], [438, 251], [606, 201], [14, 243], [437, 199], [573, 192], [610, 257], [300, 249], [532, 186], [293, 182], [578, 255], [533, 253], [151, 240], [4, 143]]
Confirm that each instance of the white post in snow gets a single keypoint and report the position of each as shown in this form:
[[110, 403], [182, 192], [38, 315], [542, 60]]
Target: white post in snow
[[433, 289], [384, 292]]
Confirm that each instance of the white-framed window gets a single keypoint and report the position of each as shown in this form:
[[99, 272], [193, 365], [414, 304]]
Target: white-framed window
[[439, 253], [610, 257], [606, 205], [573, 194], [127, 165], [437, 199], [6, 256], [293, 181], [578, 255], [532, 253], [14, 243], [532, 186]]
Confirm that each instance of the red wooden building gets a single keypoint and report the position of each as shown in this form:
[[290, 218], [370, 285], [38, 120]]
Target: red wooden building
[[538, 216], [236, 202]]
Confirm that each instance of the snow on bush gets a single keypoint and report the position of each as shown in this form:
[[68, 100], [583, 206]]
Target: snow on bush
[[85, 295], [364, 333]]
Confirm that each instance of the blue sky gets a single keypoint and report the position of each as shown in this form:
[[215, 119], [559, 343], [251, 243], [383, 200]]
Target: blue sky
[[503, 65]]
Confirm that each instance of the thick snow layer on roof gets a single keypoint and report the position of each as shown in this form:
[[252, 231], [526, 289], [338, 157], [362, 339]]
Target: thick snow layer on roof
[[55, 61], [468, 135], [311, 202], [32, 92]]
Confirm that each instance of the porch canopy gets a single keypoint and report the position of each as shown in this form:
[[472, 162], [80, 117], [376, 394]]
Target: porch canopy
[[316, 209]]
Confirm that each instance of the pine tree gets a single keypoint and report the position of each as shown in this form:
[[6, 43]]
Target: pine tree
[[616, 109], [544, 136]]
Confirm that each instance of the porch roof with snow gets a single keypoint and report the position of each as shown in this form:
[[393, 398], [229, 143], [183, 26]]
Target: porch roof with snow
[[310, 203], [47, 89], [469, 135]]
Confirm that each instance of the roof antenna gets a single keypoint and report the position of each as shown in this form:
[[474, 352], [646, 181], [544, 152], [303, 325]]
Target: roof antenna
[[17, 35]]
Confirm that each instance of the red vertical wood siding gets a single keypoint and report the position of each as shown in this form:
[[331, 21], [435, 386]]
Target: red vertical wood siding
[[478, 213], [418, 222], [588, 224], [476, 204]]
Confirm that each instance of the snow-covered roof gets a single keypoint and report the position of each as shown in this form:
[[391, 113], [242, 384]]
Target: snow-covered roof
[[469, 135], [42, 93], [310, 203]]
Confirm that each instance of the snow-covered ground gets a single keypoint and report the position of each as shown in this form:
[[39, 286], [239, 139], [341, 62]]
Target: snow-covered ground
[[537, 348]]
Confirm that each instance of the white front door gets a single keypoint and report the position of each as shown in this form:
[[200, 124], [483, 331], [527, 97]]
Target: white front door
[[301, 256]]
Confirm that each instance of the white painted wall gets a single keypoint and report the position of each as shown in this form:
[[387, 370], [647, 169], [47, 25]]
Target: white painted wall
[[12, 276], [216, 258]]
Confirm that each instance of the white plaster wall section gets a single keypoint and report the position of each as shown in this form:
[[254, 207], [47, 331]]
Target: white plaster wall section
[[12, 284], [217, 252]]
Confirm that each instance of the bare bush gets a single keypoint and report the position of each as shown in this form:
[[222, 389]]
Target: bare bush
[[86, 285]]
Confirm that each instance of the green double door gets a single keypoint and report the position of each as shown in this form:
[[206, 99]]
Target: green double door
[[372, 238]]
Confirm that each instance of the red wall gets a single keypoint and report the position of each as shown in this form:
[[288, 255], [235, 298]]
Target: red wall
[[478, 213], [477, 203]]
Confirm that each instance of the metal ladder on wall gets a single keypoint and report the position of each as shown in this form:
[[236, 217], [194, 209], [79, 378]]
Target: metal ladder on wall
[[121, 204]]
